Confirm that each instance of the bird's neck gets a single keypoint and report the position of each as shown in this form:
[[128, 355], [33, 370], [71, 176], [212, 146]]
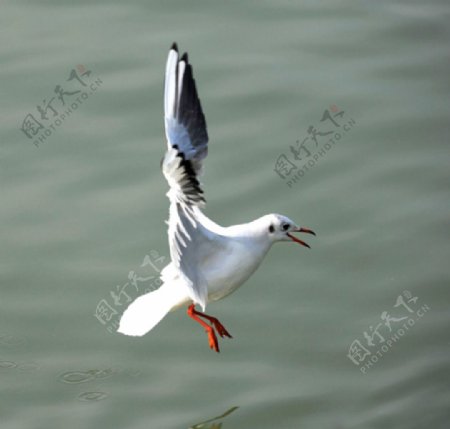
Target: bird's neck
[[252, 232]]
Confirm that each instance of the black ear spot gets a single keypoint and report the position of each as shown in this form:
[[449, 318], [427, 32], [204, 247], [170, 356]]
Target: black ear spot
[[271, 228]]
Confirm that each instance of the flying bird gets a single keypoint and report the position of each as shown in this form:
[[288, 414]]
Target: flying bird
[[208, 261]]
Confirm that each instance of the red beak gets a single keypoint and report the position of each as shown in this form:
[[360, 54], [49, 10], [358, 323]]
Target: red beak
[[297, 240]]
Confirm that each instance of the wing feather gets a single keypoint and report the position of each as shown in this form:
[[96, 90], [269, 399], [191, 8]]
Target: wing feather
[[187, 140]]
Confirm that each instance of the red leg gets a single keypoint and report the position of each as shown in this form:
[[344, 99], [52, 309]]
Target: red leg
[[213, 343], [215, 322]]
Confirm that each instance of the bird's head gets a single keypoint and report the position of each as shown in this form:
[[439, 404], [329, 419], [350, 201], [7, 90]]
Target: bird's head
[[281, 228]]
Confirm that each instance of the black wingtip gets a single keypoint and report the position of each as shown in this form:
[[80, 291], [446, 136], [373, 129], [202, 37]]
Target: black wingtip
[[185, 58], [174, 46]]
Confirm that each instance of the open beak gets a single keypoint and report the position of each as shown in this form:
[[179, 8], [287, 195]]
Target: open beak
[[297, 240]]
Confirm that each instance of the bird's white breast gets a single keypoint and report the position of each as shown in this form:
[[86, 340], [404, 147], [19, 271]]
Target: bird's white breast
[[228, 269]]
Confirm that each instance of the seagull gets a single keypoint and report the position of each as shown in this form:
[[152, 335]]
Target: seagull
[[208, 261]]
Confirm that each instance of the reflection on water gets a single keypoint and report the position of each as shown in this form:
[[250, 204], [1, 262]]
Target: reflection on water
[[92, 396], [75, 377], [214, 422], [22, 366], [11, 340], [7, 364], [78, 377]]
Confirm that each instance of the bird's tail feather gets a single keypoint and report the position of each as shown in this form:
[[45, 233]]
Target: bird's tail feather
[[147, 311]]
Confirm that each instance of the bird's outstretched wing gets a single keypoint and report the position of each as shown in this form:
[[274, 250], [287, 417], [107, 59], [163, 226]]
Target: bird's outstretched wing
[[187, 140]]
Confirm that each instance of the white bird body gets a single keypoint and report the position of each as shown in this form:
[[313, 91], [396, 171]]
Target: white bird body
[[208, 261], [235, 255]]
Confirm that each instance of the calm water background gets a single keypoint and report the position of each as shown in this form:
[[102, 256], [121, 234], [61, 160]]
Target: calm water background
[[84, 208]]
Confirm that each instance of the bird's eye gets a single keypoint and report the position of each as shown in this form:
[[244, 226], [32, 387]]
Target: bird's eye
[[271, 228], [285, 227]]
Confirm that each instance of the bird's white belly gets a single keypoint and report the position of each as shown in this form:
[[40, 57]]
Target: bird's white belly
[[224, 270], [225, 273]]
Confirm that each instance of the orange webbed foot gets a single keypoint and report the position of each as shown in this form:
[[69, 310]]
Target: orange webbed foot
[[221, 330]]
